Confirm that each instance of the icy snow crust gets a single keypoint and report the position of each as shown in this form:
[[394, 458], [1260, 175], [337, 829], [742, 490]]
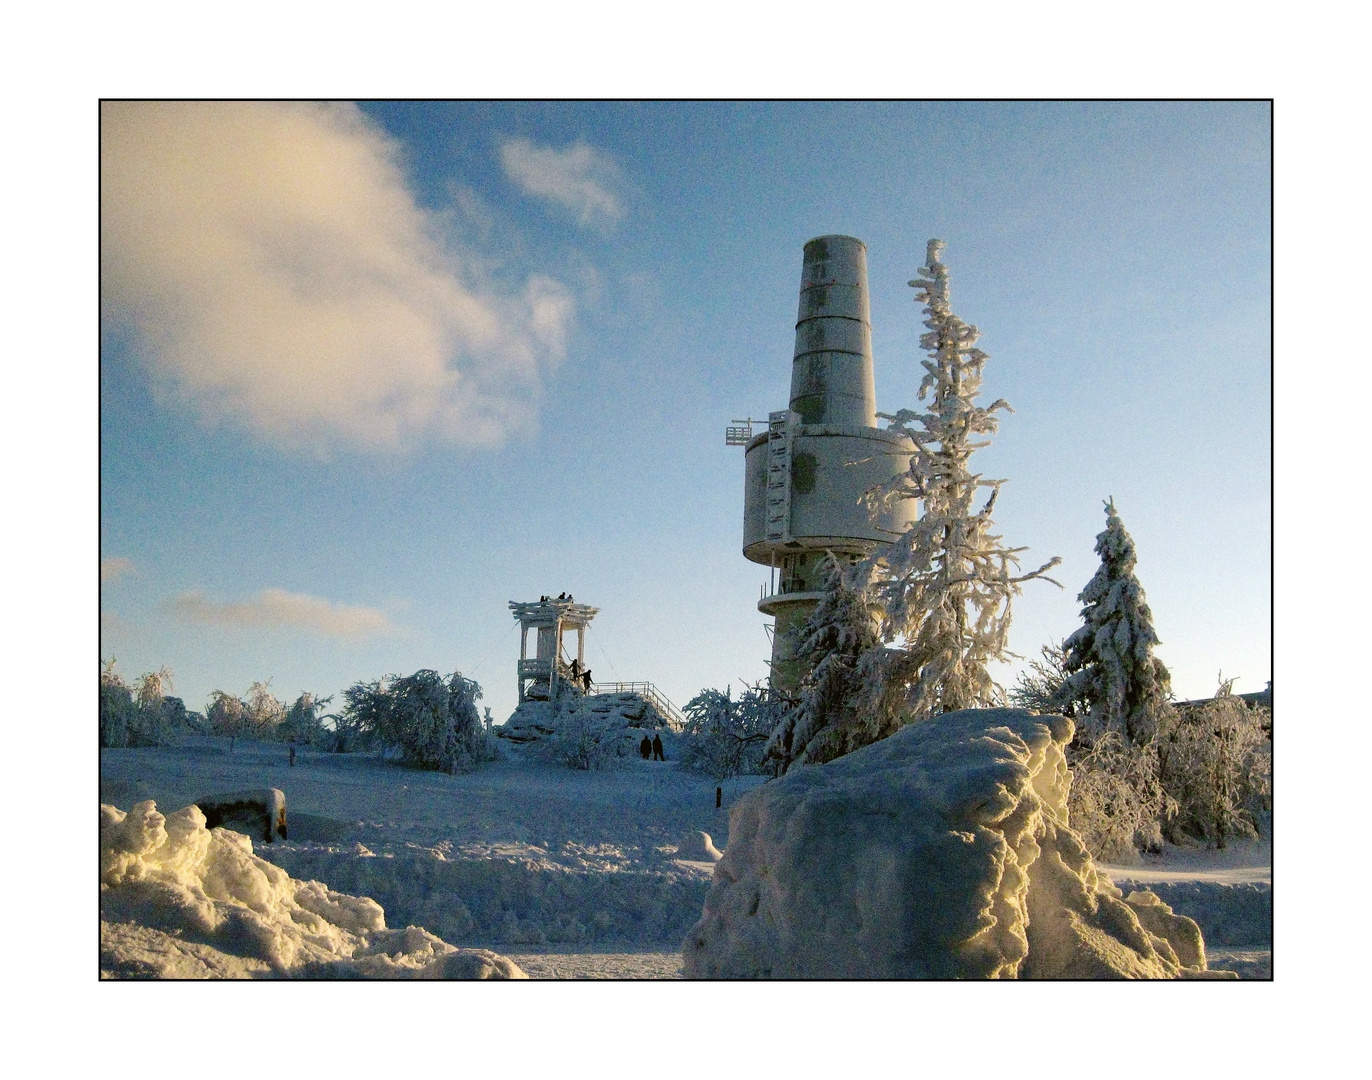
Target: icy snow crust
[[179, 900], [940, 852]]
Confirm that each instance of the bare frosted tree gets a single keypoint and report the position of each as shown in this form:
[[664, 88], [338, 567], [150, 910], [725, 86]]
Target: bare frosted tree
[[1039, 687], [726, 736], [1114, 682], [946, 586]]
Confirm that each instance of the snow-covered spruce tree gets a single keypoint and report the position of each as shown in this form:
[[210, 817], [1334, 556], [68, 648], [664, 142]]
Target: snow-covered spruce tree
[[1114, 682], [946, 585], [841, 707]]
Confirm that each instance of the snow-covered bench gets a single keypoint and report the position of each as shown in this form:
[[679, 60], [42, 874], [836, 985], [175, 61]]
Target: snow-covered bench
[[259, 810]]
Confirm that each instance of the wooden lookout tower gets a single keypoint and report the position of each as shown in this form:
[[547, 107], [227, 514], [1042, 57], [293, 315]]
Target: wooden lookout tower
[[541, 675]]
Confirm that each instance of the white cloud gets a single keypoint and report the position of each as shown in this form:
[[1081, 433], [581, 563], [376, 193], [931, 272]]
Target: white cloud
[[113, 567], [278, 273], [279, 608], [581, 178]]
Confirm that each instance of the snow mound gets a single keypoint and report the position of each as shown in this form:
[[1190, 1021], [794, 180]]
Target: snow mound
[[940, 852], [698, 847], [1231, 913], [178, 900], [620, 717]]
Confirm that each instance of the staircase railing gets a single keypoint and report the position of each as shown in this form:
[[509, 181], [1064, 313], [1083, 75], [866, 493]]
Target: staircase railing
[[649, 693]]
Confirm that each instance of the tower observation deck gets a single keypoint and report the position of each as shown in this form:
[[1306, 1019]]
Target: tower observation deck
[[805, 476]]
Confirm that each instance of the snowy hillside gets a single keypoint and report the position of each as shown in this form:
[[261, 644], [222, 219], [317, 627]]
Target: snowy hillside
[[520, 856], [570, 874]]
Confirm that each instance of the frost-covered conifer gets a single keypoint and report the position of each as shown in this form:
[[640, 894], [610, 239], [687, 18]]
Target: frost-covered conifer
[[1114, 682], [947, 583], [841, 704]]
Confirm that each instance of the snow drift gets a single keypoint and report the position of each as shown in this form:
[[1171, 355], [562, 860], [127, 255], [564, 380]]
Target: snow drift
[[698, 846], [509, 896], [178, 900], [940, 852]]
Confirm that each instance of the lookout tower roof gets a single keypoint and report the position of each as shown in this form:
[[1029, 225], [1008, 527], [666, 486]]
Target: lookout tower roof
[[551, 612]]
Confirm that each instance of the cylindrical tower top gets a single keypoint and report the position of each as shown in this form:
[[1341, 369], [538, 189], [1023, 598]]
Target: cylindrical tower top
[[831, 375]]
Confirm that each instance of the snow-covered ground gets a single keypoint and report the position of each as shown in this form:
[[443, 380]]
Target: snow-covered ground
[[523, 857], [570, 874], [1229, 893]]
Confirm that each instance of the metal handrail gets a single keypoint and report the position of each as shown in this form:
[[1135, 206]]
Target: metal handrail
[[648, 692]]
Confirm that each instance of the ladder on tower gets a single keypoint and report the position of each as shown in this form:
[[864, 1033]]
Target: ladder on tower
[[780, 429]]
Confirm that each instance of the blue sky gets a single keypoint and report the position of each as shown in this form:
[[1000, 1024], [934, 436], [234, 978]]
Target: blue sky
[[296, 486]]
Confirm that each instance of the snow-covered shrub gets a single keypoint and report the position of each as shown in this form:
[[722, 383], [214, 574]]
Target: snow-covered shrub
[[264, 713], [429, 719], [1215, 761], [135, 716], [584, 739], [1114, 682], [843, 701], [946, 585], [1117, 804], [723, 737], [227, 715], [304, 722], [179, 719]]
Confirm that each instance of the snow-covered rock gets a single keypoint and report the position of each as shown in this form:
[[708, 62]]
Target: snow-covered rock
[[178, 900], [620, 718], [698, 846], [941, 852]]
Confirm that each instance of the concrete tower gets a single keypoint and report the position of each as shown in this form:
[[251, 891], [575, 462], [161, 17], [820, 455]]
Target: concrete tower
[[805, 476]]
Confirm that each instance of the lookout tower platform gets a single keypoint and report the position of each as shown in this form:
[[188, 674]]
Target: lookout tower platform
[[541, 674]]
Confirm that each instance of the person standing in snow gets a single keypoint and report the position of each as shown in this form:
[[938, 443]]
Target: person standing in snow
[[645, 748], [657, 748], [292, 762]]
